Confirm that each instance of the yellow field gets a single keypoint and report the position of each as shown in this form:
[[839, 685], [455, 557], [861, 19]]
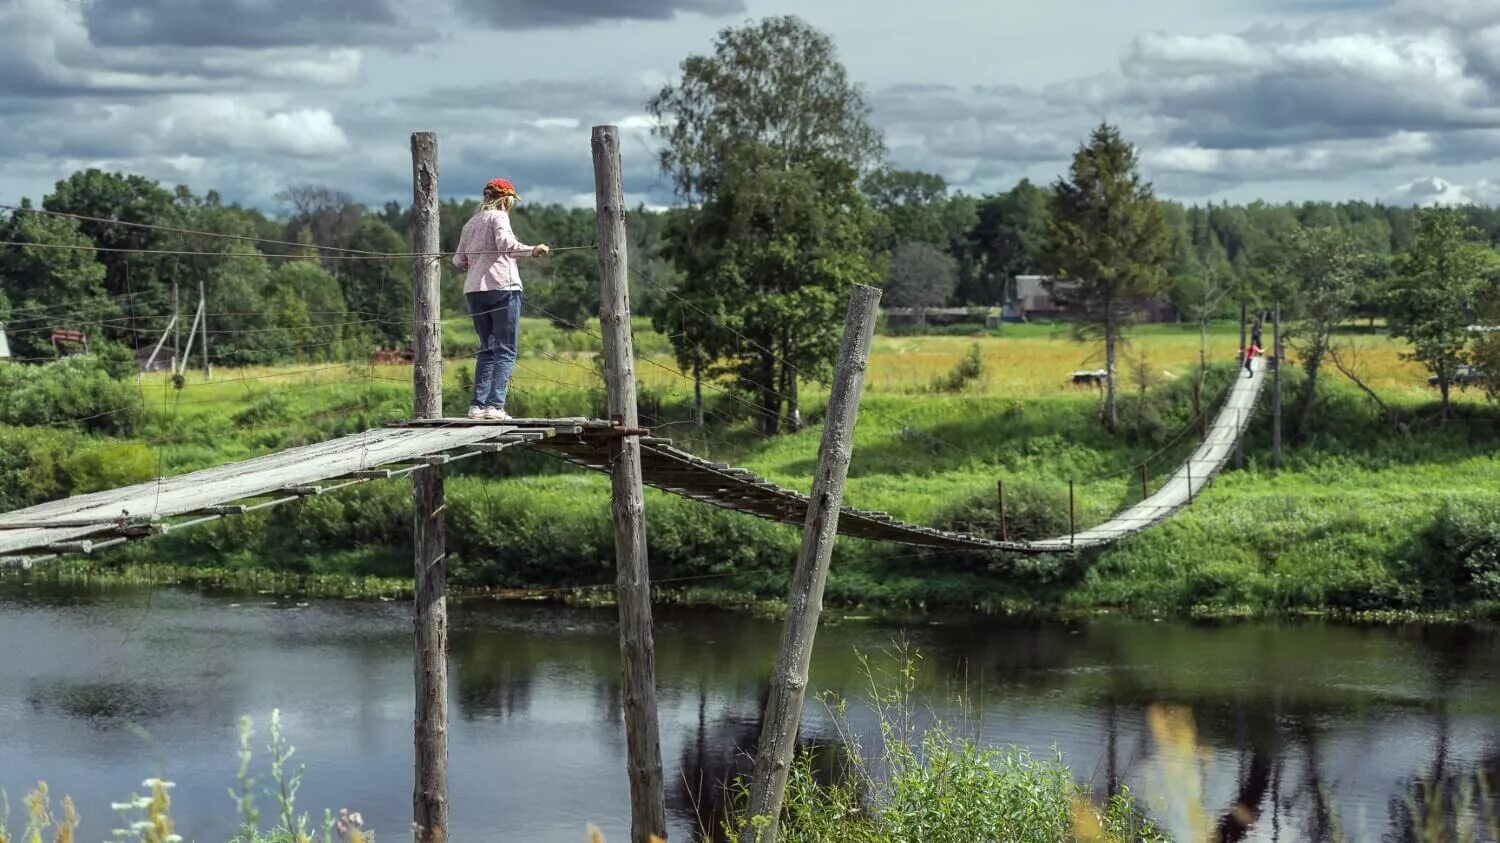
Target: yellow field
[[1025, 365]]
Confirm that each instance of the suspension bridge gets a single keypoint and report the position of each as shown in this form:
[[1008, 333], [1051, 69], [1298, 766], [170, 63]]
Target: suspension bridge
[[87, 523]]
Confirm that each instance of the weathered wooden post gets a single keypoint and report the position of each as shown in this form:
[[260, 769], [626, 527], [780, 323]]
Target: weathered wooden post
[[1276, 383], [430, 612], [208, 371], [1004, 533], [1072, 521], [648, 812], [778, 736], [1145, 483]]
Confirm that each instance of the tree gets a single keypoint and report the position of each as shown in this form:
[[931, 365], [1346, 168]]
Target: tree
[[921, 275], [912, 203], [1108, 236], [1435, 287], [1327, 265], [1009, 237], [378, 289], [331, 216], [54, 288], [765, 141]]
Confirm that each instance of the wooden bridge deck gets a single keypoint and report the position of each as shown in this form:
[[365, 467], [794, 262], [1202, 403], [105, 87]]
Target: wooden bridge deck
[[90, 522]]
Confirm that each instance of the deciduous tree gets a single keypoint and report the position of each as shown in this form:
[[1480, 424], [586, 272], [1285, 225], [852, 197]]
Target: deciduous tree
[[765, 141], [1435, 288]]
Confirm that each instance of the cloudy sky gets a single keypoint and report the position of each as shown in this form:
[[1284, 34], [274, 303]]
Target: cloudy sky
[[1396, 100]]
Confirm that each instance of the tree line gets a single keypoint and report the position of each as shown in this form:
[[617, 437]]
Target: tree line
[[785, 199]]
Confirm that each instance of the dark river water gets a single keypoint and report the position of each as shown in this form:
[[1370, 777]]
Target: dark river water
[[1314, 724]]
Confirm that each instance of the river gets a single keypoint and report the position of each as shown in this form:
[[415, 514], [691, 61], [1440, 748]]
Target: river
[[1316, 723]]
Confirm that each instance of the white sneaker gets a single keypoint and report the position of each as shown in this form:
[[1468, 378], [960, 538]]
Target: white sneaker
[[477, 413], [496, 414]]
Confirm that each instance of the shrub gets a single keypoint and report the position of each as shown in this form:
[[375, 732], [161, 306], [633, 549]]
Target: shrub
[[74, 391], [969, 370], [1457, 558]]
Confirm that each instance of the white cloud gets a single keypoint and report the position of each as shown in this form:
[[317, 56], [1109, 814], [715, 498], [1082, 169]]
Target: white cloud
[[1433, 191]]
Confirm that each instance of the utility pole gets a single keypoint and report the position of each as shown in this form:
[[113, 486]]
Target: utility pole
[[648, 812], [430, 622], [1276, 386], [1239, 446], [208, 371], [778, 736], [177, 323]]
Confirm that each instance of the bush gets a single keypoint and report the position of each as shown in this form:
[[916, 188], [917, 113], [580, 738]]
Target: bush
[[41, 464], [1457, 558], [935, 784], [965, 374], [74, 391]]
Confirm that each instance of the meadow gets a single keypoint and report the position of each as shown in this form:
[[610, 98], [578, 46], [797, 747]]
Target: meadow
[[1361, 516]]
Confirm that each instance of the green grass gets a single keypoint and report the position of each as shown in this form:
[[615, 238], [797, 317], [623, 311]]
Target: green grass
[[1350, 523]]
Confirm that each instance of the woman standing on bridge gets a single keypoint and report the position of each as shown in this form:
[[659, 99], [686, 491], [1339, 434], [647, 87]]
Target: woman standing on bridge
[[488, 250]]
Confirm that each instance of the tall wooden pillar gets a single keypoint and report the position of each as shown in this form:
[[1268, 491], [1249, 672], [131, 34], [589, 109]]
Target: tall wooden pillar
[[648, 813], [430, 611]]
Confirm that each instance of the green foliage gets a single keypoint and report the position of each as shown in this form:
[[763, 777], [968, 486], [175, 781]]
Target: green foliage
[[968, 370], [74, 391], [1437, 283], [1457, 558], [936, 784], [1009, 238], [1327, 264]]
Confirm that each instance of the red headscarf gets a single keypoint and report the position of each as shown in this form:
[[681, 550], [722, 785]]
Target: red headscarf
[[501, 187]]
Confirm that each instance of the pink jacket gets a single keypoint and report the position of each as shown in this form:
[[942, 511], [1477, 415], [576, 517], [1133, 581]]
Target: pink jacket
[[488, 250]]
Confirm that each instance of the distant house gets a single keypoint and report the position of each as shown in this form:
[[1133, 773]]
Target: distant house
[[1049, 297]]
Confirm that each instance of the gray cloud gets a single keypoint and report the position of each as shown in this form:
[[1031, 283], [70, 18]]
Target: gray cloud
[[542, 14], [264, 23]]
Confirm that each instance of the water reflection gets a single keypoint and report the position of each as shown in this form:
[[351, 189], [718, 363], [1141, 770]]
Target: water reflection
[[1303, 727]]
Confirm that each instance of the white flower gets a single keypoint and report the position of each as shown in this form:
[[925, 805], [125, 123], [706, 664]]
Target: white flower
[[174, 838], [141, 802], [121, 806], [140, 826]]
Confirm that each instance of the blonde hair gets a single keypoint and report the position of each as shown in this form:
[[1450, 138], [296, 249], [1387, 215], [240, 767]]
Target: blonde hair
[[497, 203]]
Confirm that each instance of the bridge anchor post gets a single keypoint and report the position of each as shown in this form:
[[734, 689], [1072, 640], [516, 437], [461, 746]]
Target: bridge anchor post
[[1004, 533], [429, 537], [648, 811], [778, 736]]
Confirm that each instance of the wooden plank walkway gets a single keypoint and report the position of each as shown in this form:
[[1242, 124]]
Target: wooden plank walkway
[[89, 522]]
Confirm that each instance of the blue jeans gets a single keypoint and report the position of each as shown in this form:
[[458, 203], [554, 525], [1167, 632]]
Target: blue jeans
[[497, 320]]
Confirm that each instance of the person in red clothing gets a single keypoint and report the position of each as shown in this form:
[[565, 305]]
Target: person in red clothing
[[1251, 353]]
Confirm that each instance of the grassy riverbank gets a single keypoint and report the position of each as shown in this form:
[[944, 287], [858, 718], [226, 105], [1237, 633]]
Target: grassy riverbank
[[1360, 518]]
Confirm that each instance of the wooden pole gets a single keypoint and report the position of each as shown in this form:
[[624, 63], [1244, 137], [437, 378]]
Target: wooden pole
[[208, 371], [150, 361], [1145, 483], [430, 610], [1072, 521], [1004, 532], [1276, 384], [648, 813], [1239, 437], [192, 335], [177, 321], [778, 736]]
